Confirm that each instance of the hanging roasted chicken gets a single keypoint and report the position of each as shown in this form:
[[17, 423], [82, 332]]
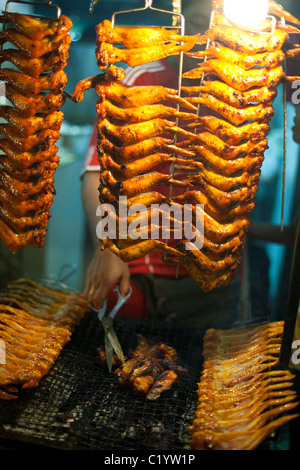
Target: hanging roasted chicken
[[215, 158], [32, 69]]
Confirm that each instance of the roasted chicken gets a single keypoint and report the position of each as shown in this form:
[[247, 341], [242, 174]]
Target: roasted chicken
[[37, 52], [36, 321], [156, 146], [242, 395]]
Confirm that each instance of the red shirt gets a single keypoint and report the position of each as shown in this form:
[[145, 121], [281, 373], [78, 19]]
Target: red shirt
[[155, 73]]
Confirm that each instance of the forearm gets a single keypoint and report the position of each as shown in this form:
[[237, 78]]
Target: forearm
[[90, 201], [271, 233]]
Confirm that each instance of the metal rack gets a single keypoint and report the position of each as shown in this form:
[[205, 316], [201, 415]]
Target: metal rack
[[46, 3]]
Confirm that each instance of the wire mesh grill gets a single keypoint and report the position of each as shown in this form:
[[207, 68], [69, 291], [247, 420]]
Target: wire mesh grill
[[78, 405]]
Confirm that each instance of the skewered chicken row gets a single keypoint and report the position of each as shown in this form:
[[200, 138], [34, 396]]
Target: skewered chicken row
[[215, 160], [145, 45], [240, 94], [242, 401], [130, 141], [212, 258], [32, 122], [36, 322]]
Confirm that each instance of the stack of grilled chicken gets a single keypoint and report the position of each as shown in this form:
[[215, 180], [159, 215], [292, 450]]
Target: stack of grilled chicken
[[215, 157], [242, 395], [33, 57], [36, 322]]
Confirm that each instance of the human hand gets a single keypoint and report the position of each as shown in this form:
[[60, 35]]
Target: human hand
[[104, 271]]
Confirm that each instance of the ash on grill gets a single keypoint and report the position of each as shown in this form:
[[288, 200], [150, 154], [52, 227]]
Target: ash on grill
[[149, 370]]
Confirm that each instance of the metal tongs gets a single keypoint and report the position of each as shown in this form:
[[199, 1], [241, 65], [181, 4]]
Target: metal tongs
[[111, 340]]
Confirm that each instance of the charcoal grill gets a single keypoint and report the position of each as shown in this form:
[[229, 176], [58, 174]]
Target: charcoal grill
[[79, 405]]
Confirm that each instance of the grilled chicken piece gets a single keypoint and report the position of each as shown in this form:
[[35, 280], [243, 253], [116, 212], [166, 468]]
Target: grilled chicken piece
[[132, 152], [19, 224], [229, 167], [140, 249], [34, 85], [15, 241], [134, 133], [147, 44], [138, 184], [231, 134], [237, 116], [162, 383], [223, 199], [143, 165], [221, 148], [52, 61], [218, 213], [25, 190], [108, 54], [244, 41], [31, 47], [236, 77], [28, 106], [233, 97], [142, 384], [143, 35], [45, 139], [106, 109], [36, 28], [111, 75], [243, 60], [25, 160], [36, 171], [129, 96], [22, 208], [34, 124]]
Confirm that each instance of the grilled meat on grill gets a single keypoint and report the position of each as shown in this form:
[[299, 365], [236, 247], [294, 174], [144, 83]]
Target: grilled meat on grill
[[35, 323], [149, 369], [242, 395]]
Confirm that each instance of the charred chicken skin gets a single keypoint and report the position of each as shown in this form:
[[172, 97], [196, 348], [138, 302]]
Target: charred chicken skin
[[149, 370]]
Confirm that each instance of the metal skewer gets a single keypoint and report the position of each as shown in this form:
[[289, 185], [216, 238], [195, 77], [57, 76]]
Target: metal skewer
[[284, 143]]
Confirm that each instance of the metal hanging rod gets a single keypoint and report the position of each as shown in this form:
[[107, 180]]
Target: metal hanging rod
[[46, 3], [177, 16]]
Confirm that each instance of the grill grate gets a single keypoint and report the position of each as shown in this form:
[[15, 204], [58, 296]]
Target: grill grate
[[78, 405]]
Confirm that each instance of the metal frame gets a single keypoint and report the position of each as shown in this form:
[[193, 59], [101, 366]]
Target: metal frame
[[47, 3]]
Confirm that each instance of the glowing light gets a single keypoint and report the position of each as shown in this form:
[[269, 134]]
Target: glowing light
[[246, 13]]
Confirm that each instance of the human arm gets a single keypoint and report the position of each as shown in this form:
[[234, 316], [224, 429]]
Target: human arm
[[296, 128], [272, 233], [105, 268]]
